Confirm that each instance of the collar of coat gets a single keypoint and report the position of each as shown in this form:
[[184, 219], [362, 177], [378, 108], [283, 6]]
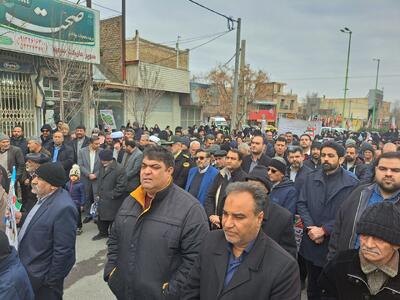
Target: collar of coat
[[140, 194]]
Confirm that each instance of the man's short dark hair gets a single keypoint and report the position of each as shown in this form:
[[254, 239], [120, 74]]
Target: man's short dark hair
[[307, 135], [81, 127], [19, 126], [258, 135], [159, 153], [288, 132], [94, 138], [240, 154], [258, 193], [388, 155], [352, 146], [340, 151], [130, 143], [281, 139], [295, 149]]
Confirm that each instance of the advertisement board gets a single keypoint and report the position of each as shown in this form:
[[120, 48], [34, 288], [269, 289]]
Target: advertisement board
[[50, 28], [299, 126]]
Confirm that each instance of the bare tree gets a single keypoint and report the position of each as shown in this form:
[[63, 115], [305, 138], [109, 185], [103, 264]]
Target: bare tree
[[146, 93], [251, 82]]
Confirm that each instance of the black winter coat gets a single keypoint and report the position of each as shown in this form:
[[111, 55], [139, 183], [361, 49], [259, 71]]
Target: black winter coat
[[65, 157], [343, 278], [263, 161], [181, 170], [147, 249], [267, 272], [111, 190]]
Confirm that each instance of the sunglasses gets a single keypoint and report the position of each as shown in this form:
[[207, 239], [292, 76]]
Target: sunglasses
[[273, 171], [200, 158]]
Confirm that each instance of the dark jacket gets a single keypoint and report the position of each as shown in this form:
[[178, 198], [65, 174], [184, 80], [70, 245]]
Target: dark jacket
[[285, 194], [77, 192], [47, 249], [5, 181], [20, 143], [218, 187], [362, 171], [181, 169], [317, 210], [267, 272], [132, 169], [16, 158], [65, 157], [206, 181], [111, 190], [301, 177], [343, 236], [278, 225], [246, 163], [343, 279], [14, 282], [46, 143], [311, 164], [159, 246], [74, 145]]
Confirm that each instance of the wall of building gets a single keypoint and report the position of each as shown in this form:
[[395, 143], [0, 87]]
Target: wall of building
[[153, 53], [111, 45], [358, 107]]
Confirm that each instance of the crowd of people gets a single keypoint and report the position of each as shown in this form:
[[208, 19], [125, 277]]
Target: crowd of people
[[204, 213]]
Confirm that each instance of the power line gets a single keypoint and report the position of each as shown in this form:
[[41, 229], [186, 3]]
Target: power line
[[105, 7], [229, 19], [225, 64], [340, 77]]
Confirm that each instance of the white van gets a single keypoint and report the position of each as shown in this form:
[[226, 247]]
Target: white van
[[218, 121]]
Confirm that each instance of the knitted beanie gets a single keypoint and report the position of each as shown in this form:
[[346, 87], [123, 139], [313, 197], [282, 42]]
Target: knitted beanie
[[75, 171], [278, 163], [381, 220]]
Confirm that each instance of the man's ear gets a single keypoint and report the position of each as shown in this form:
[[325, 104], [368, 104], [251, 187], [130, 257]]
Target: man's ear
[[341, 160]]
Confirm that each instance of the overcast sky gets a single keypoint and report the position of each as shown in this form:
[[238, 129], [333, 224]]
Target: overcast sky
[[295, 41]]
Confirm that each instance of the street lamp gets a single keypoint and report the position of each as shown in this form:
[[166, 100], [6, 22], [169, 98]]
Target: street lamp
[[376, 89], [346, 30]]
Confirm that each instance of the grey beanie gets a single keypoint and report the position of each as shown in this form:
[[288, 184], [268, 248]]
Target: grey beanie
[[4, 137]]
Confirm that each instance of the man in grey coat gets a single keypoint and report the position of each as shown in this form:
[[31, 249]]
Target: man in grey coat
[[131, 162], [111, 192], [89, 163]]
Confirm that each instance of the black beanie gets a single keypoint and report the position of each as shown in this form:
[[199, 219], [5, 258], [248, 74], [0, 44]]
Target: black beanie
[[260, 173], [53, 173], [381, 220], [279, 164], [106, 155], [5, 249]]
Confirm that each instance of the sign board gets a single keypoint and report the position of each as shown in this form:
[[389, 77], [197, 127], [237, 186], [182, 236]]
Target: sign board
[[264, 114], [298, 126], [50, 28], [107, 116]]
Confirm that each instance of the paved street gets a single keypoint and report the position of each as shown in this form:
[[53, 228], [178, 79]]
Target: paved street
[[86, 278]]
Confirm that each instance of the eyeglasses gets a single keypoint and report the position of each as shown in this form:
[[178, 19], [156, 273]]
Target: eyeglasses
[[45, 130], [273, 171], [200, 158]]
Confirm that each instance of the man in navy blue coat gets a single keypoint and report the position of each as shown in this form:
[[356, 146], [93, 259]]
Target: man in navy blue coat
[[201, 177], [323, 192], [48, 235]]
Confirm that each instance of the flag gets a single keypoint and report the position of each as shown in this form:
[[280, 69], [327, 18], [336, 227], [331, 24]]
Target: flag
[[11, 223]]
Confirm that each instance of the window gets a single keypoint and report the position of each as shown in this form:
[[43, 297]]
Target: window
[[282, 103], [291, 104]]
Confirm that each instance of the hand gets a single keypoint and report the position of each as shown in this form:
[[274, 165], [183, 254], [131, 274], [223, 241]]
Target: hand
[[214, 219], [319, 241], [92, 176], [18, 216], [315, 232]]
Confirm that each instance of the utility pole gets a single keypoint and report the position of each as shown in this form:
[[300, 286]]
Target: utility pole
[[123, 25], [376, 90], [89, 112], [346, 30], [242, 82], [236, 77]]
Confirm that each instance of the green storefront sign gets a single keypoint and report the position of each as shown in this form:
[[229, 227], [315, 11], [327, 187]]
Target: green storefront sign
[[49, 28]]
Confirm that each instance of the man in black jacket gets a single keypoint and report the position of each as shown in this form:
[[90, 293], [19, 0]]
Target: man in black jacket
[[80, 141], [257, 156], [61, 152], [372, 272], [216, 194], [240, 261], [156, 235], [354, 164], [18, 140], [182, 162], [385, 188]]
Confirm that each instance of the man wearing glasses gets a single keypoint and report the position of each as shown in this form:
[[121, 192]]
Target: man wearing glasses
[[201, 176], [46, 137]]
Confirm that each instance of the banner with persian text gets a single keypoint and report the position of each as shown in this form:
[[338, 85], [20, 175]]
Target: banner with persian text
[[50, 28]]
